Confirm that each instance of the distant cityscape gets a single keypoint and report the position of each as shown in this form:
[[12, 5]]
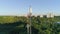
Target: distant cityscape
[[30, 11], [49, 15]]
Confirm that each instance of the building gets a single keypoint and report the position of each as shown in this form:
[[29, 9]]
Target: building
[[50, 15], [41, 15]]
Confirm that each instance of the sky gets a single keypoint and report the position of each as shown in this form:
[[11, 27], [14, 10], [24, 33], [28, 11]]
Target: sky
[[21, 7]]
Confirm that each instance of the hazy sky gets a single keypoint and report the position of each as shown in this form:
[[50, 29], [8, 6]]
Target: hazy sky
[[18, 7]]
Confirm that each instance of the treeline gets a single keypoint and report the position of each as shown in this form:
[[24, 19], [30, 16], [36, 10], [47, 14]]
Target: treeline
[[17, 25]]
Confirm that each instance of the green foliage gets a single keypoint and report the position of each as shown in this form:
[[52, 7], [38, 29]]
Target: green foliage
[[17, 25]]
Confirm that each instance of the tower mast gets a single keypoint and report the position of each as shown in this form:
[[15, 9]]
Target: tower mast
[[29, 24], [30, 12]]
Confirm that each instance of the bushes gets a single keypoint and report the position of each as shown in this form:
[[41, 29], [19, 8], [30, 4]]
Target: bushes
[[17, 25]]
